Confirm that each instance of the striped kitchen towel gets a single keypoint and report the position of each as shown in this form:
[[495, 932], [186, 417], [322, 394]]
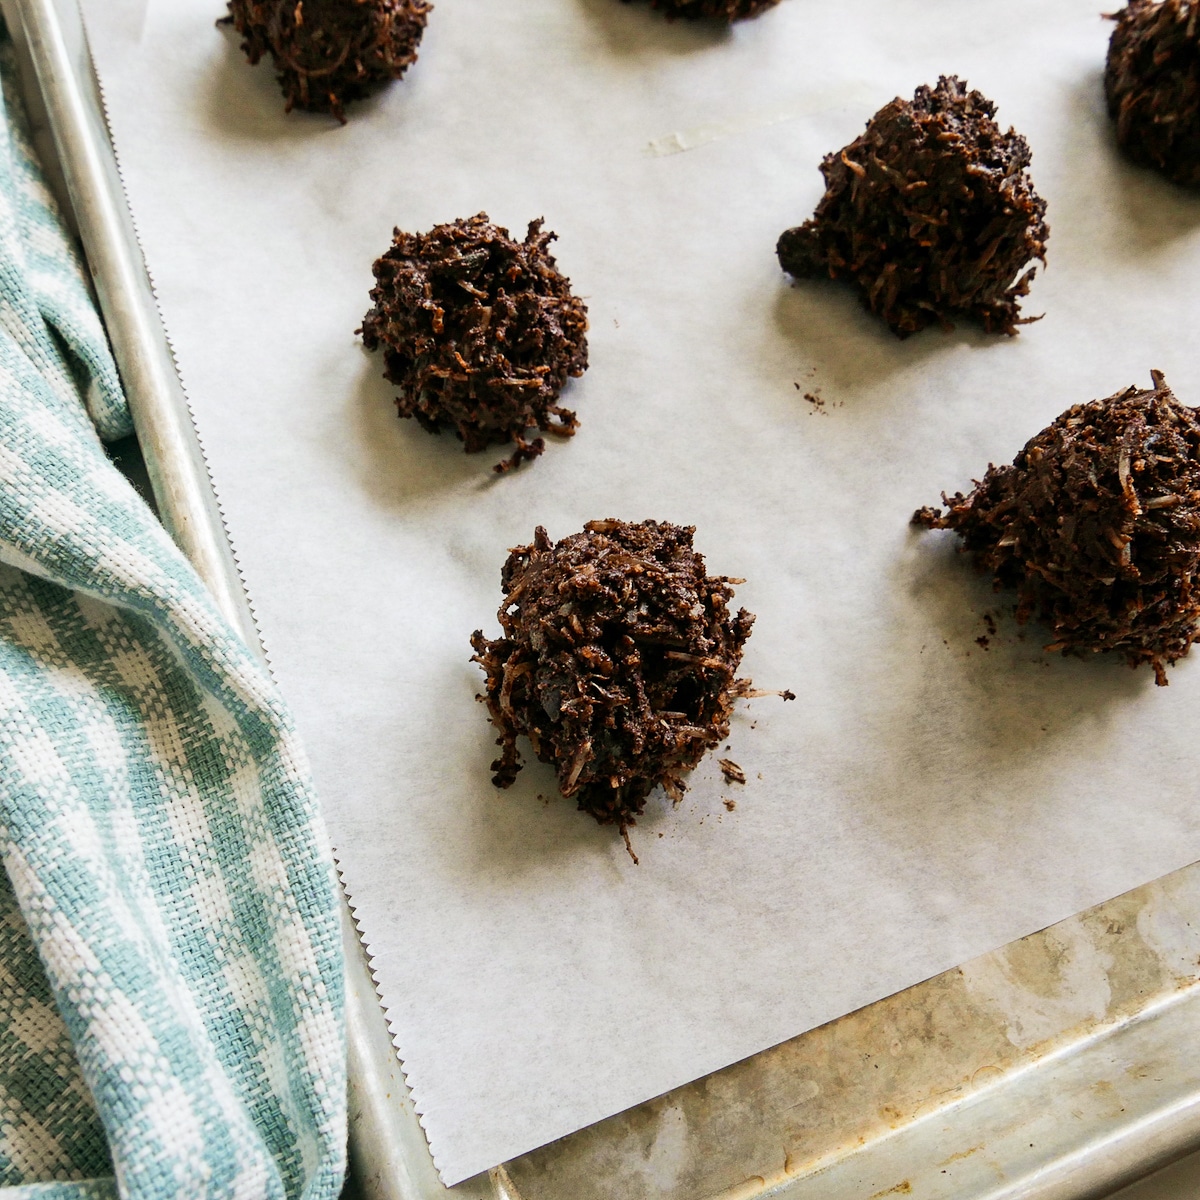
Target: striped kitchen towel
[[170, 957]]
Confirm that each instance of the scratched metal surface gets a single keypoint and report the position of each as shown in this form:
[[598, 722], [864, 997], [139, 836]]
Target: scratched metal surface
[[1057, 1068]]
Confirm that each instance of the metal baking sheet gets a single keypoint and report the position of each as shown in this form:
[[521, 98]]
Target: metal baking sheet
[[681, 1153]]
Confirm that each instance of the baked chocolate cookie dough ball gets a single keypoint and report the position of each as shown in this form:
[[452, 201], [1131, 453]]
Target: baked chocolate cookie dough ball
[[931, 214], [1152, 82], [618, 661], [330, 52], [479, 332], [1096, 526], [712, 10]]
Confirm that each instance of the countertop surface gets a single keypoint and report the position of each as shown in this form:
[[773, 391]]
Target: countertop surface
[[1180, 1181]]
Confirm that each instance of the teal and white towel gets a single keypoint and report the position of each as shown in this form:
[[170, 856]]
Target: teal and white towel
[[170, 959]]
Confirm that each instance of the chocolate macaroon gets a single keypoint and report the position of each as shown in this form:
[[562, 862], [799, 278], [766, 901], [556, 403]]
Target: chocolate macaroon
[[930, 213], [712, 10], [330, 52], [618, 661], [1152, 83], [1096, 526], [479, 332]]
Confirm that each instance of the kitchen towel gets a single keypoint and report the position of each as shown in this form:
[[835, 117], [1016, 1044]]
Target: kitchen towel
[[170, 956]]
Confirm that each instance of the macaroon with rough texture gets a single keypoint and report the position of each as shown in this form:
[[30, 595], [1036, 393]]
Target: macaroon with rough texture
[[330, 52], [712, 10], [1152, 84], [1096, 527], [931, 214], [618, 661], [479, 332]]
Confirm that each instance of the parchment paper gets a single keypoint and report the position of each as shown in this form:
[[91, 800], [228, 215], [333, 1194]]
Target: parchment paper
[[924, 800]]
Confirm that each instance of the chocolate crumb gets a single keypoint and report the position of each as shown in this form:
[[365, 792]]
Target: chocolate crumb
[[732, 772], [1096, 525], [618, 661], [330, 52], [730, 805], [479, 332], [712, 10], [787, 695], [930, 213], [982, 643], [1152, 84]]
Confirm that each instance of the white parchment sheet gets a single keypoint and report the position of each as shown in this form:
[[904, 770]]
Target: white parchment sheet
[[923, 800]]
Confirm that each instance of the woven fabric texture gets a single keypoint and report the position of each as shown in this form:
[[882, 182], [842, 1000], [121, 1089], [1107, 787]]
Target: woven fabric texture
[[170, 956]]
